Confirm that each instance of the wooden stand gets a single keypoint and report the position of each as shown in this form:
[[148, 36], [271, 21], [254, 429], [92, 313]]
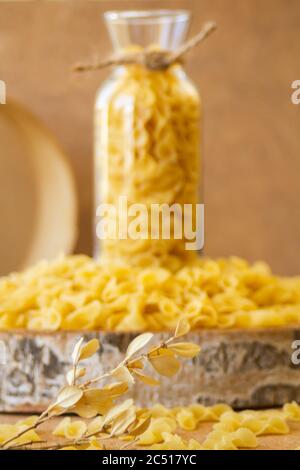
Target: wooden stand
[[244, 368]]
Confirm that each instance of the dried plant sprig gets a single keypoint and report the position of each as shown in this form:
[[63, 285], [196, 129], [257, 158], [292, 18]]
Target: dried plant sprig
[[87, 401]]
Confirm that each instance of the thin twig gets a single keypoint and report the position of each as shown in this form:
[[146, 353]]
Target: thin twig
[[42, 419], [129, 444], [26, 444], [46, 416], [70, 442]]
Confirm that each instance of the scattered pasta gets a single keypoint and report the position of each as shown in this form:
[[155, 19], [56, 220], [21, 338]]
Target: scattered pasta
[[176, 428], [232, 430]]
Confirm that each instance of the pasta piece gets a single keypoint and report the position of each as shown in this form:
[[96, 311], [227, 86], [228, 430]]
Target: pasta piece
[[154, 434], [70, 429], [201, 413], [219, 440], [175, 442], [244, 438], [186, 420], [292, 411], [59, 430]]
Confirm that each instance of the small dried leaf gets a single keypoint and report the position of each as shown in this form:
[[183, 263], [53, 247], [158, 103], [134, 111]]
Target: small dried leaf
[[54, 410], [142, 413], [182, 328], [96, 425], [85, 411], [75, 374], [163, 351], [97, 399], [188, 350], [164, 362], [59, 430], [117, 389], [95, 444], [148, 380], [123, 422], [138, 364], [89, 349], [123, 375], [68, 397], [76, 351], [138, 343], [117, 411], [140, 428]]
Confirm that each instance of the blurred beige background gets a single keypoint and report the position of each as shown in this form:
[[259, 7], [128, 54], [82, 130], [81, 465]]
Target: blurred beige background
[[244, 72]]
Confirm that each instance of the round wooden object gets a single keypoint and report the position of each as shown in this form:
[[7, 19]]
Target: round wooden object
[[37, 194], [244, 368]]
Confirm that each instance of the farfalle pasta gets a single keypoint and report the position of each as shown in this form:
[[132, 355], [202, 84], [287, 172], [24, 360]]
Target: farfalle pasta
[[157, 428], [176, 442], [260, 423], [292, 411], [242, 438]]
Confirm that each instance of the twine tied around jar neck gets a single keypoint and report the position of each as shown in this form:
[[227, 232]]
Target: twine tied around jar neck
[[152, 59]]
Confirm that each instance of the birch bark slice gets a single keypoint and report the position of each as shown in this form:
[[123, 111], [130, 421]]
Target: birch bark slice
[[246, 369]]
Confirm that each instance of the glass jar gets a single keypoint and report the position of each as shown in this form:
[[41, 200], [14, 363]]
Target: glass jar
[[147, 145]]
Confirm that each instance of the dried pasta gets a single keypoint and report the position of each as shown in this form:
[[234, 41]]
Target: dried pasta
[[292, 411], [157, 428], [242, 438], [75, 292], [260, 423], [147, 150], [176, 442]]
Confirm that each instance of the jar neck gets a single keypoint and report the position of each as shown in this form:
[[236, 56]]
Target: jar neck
[[165, 29]]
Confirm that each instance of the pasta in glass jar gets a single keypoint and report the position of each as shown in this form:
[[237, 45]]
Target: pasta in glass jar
[[147, 146]]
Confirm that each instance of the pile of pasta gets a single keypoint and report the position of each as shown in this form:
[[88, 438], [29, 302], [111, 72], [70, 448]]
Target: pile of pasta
[[76, 292], [147, 150], [180, 428]]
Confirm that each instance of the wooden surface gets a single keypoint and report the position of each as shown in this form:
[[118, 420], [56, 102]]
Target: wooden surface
[[244, 71], [286, 442]]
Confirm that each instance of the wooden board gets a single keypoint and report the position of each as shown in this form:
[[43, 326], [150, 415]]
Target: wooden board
[[243, 368], [286, 442]]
